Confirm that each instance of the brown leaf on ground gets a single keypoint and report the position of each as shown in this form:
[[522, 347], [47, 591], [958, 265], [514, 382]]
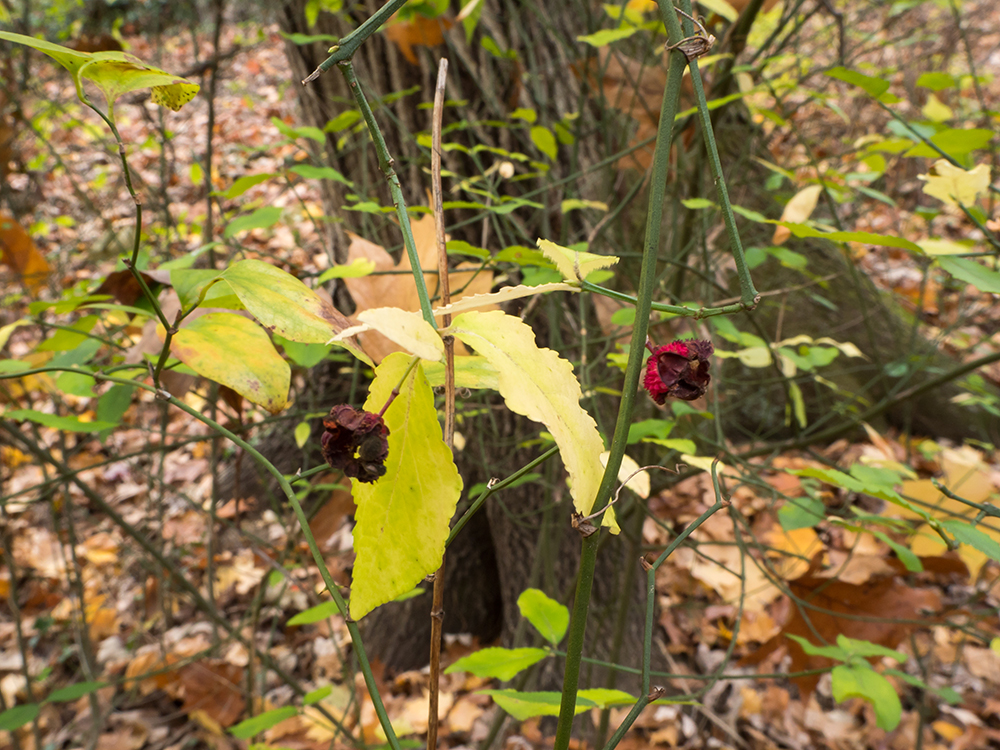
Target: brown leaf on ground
[[883, 603], [19, 252], [215, 688]]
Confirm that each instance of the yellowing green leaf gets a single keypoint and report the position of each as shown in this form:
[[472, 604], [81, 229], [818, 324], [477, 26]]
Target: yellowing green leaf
[[955, 185], [539, 384], [797, 210], [945, 247], [508, 293], [575, 204], [355, 269], [935, 110], [574, 265], [403, 519], [604, 37], [720, 8], [286, 306], [114, 73], [544, 141], [234, 351], [407, 329]]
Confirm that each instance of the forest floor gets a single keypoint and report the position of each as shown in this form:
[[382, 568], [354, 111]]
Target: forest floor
[[82, 603]]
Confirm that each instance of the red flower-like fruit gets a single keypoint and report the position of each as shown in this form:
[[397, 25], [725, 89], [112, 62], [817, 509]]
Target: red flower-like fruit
[[356, 442], [678, 370]]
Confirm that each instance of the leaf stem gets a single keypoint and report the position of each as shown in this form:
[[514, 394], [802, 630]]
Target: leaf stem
[[749, 296], [444, 289]]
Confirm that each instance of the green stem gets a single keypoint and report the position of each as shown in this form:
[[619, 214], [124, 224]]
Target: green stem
[[350, 43], [748, 294], [385, 163], [647, 282], [686, 312]]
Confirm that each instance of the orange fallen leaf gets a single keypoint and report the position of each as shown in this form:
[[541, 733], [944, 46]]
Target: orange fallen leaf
[[418, 31], [20, 253], [398, 290]]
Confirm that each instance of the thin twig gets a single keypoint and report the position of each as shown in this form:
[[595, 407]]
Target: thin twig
[[444, 290]]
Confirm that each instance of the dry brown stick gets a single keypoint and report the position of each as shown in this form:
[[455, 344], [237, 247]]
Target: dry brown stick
[[437, 612]]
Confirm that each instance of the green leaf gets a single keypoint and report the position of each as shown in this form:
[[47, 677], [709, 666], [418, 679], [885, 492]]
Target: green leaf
[[246, 182], [502, 663], [802, 230], [954, 142], [262, 218], [862, 682], [721, 8], [549, 617], [801, 513], [604, 37], [72, 692], [867, 648], [575, 204], [539, 384], [605, 697], [234, 351], [17, 717], [830, 652], [523, 706], [972, 272], [67, 424], [875, 87], [114, 73], [302, 431], [286, 306], [315, 696], [344, 120], [966, 533], [76, 383], [190, 282], [356, 269], [544, 141], [403, 519], [694, 204], [303, 355], [309, 172], [910, 561], [262, 722], [315, 614], [936, 81]]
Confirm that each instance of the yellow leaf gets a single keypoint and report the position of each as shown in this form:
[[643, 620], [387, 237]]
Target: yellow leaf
[[935, 110], [407, 329], [797, 210], [574, 265], [955, 185], [539, 384]]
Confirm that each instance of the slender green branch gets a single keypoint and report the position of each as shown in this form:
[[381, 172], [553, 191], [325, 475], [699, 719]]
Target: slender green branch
[[686, 312], [629, 720], [347, 46], [748, 294], [385, 163], [492, 488], [647, 282]]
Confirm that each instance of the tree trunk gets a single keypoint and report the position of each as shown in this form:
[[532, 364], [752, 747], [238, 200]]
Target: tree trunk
[[527, 540]]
